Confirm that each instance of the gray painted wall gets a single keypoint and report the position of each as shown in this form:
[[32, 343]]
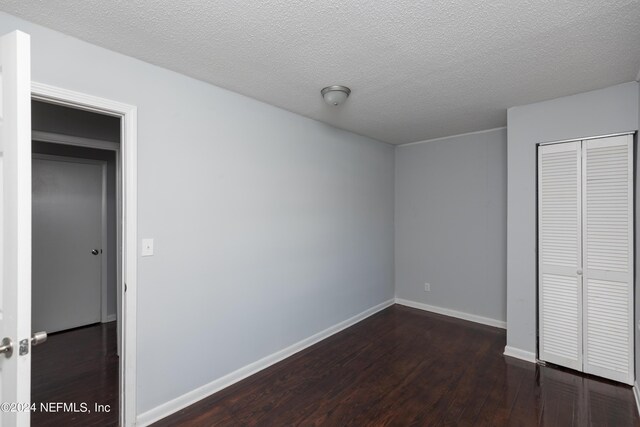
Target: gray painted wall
[[610, 110], [451, 209], [269, 227]]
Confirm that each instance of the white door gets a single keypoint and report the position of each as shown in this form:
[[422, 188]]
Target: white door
[[607, 181], [68, 202], [560, 254], [585, 248], [15, 224]]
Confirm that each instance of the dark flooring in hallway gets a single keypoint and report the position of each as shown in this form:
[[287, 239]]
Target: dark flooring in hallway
[[81, 366], [405, 367]]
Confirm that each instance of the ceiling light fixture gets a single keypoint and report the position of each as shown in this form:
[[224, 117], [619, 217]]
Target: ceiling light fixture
[[335, 95]]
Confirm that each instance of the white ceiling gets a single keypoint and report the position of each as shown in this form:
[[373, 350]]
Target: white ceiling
[[417, 69]]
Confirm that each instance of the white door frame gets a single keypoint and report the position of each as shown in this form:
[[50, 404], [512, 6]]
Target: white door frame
[[104, 241], [127, 236]]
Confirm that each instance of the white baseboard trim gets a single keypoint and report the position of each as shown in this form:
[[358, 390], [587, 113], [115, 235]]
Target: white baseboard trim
[[168, 408], [453, 313], [636, 393], [111, 318], [527, 356]]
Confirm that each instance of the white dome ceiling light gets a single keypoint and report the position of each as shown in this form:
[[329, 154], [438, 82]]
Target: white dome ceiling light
[[335, 95]]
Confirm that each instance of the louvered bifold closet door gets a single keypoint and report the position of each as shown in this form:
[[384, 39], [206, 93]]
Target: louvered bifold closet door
[[559, 252], [607, 170]]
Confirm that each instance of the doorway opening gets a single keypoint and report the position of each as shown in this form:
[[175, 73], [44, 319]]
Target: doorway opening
[[126, 240], [76, 208]]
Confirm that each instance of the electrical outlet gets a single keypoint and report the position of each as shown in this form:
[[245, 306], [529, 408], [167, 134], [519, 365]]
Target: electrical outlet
[[427, 287]]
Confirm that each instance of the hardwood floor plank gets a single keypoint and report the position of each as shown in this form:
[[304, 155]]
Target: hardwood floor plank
[[403, 367]]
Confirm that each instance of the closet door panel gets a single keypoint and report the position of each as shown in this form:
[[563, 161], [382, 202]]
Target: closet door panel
[[560, 254], [607, 172]]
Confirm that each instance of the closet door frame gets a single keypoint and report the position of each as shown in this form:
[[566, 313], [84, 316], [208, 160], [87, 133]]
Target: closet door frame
[[632, 136]]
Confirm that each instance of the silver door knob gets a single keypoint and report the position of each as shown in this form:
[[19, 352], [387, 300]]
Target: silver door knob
[[38, 338], [95, 252], [579, 272], [7, 347]]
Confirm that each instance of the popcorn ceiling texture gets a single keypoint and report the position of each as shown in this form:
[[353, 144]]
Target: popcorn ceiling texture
[[418, 69]]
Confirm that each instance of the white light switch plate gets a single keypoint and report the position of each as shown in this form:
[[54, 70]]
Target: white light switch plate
[[147, 247]]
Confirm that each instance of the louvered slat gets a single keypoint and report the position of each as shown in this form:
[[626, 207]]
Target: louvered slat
[[561, 317], [559, 208], [607, 339]]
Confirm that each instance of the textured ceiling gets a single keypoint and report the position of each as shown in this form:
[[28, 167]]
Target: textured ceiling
[[417, 69]]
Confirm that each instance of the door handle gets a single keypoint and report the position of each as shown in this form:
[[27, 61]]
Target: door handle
[[7, 347], [95, 252], [579, 272], [38, 338]]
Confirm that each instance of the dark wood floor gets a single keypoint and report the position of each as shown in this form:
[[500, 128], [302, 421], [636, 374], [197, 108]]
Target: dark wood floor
[[80, 365], [405, 367]]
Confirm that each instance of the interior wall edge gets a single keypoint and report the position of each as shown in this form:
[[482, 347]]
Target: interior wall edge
[[453, 313], [189, 398], [475, 132]]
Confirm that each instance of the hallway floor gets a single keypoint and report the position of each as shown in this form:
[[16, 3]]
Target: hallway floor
[[76, 366]]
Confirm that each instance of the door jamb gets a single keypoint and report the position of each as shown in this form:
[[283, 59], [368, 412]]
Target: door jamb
[[127, 237]]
